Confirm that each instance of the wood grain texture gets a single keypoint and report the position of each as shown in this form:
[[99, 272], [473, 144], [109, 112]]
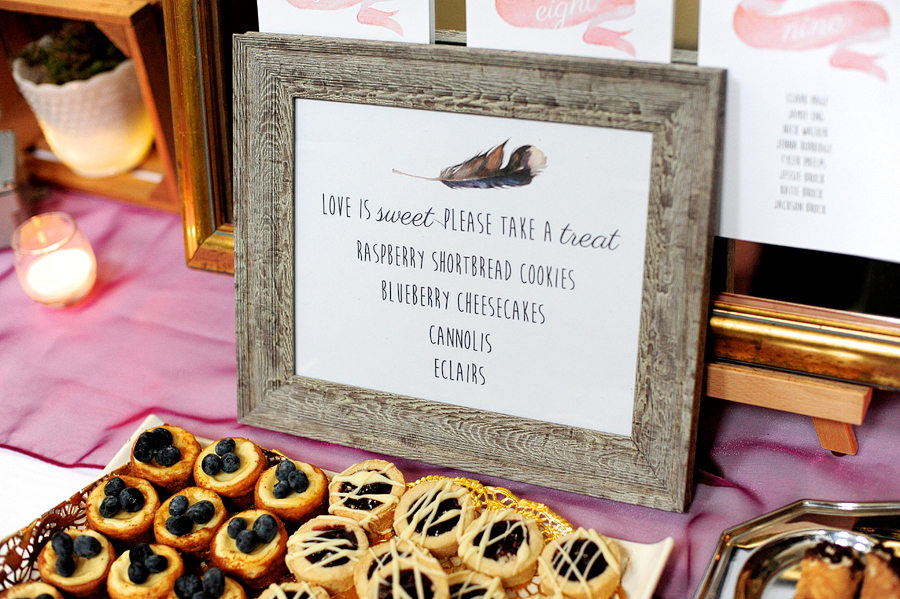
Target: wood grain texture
[[680, 105]]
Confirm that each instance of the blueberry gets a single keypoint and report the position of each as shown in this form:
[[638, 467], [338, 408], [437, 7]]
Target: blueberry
[[283, 469], [231, 462], [246, 541], [109, 507], [61, 543], [144, 449], [214, 582], [161, 437], [225, 446], [201, 512], [168, 455], [236, 526], [156, 563], [265, 528], [179, 525], [138, 572], [281, 489], [114, 486], [139, 553], [298, 481], [87, 546], [211, 464], [65, 565], [187, 585], [131, 499], [178, 505]]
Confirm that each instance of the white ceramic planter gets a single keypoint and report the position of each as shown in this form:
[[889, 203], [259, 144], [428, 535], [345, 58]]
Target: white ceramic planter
[[97, 127]]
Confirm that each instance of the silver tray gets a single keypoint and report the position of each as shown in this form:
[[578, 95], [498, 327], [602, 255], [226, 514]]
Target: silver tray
[[760, 559]]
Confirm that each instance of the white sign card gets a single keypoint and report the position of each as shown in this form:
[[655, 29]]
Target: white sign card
[[513, 286], [616, 29], [812, 121], [382, 20]]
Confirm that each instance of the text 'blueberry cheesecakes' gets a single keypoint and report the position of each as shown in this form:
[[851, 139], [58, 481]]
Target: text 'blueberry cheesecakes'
[[829, 571], [123, 508], [502, 543], [433, 514], [251, 547], [326, 550], [213, 584], [189, 519], [76, 561], [414, 576], [231, 467], [31, 590], [291, 490], [165, 456], [581, 565], [468, 584], [368, 492], [145, 572], [294, 590]]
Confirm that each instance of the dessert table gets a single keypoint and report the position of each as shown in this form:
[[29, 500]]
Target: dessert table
[[155, 337]]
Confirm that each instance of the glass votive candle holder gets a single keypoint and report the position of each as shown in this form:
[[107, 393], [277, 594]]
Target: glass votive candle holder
[[54, 260]]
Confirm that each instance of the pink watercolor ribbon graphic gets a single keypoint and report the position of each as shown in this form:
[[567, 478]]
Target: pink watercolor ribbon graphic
[[366, 15], [556, 14], [838, 23]]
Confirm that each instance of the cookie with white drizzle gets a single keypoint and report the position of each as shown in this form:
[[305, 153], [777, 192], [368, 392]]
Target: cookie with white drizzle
[[469, 584], [433, 513], [417, 575], [294, 590], [379, 555], [502, 543], [326, 550], [368, 492], [581, 565]]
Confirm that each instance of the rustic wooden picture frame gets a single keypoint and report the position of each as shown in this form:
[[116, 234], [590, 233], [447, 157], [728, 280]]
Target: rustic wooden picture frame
[[680, 105]]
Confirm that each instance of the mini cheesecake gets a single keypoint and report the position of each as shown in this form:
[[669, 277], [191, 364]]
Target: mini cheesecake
[[502, 543], [189, 519], [165, 456], [31, 590], [251, 547], [581, 565], [145, 572], [368, 492], [213, 584], [291, 490], [77, 567], [433, 514], [326, 550], [231, 467], [123, 508]]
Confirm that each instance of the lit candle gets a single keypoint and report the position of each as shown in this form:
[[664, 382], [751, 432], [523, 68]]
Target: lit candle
[[54, 261]]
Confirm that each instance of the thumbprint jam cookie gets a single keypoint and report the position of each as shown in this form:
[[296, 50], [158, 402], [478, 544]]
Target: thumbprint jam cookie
[[326, 550], [468, 584], [433, 514], [251, 547], [502, 543], [145, 572], [291, 490], [123, 508], [379, 555], [231, 467], [165, 456], [294, 590], [188, 520], [368, 492], [581, 565], [76, 561], [415, 576]]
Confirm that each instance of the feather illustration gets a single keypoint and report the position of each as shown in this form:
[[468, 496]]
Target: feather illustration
[[486, 170]]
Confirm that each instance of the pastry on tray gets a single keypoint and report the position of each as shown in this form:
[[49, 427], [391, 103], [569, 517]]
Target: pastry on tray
[[145, 572], [251, 547], [214, 584], [294, 590], [413, 576], [502, 543], [189, 519], [31, 590], [581, 565], [230, 467], [76, 561], [882, 574], [433, 514], [326, 550], [829, 571], [367, 492], [291, 490], [469, 584], [123, 508], [165, 456], [379, 555]]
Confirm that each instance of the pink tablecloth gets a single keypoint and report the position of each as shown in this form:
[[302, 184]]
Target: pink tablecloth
[[158, 337]]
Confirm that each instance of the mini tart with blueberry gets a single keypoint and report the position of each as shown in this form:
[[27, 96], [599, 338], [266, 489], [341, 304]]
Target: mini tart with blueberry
[[165, 456], [326, 550], [189, 519], [214, 584], [230, 467], [416, 576], [291, 490], [145, 572], [378, 556], [581, 565], [468, 584], [502, 543], [251, 547], [31, 590], [368, 492], [76, 561], [433, 514], [123, 508], [294, 590]]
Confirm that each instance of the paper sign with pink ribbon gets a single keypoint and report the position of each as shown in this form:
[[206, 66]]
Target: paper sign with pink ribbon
[[812, 118], [618, 29], [385, 20]]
